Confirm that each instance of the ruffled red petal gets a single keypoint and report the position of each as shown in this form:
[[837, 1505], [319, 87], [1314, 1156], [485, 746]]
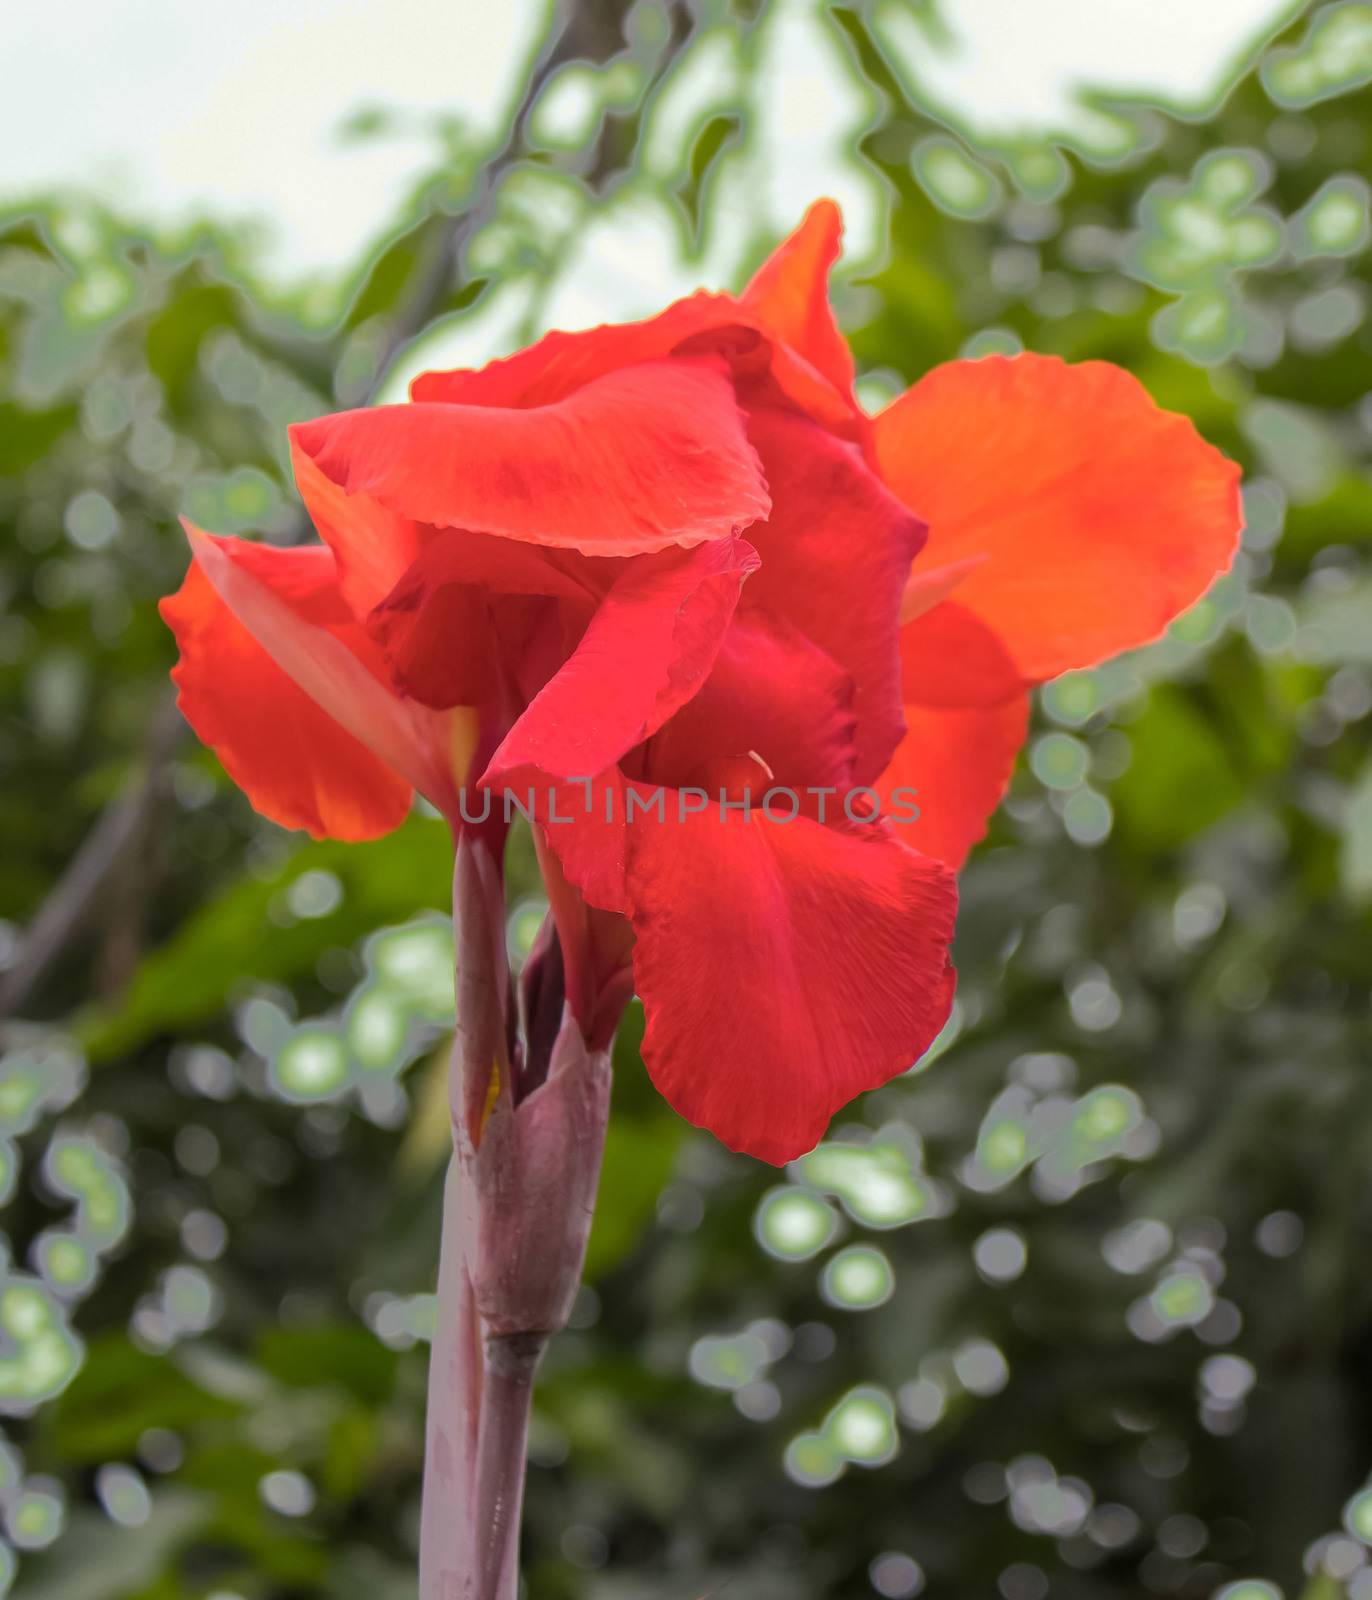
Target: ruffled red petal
[[774, 717], [467, 616], [642, 458], [950, 658], [954, 765], [561, 363], [648, 648], [785, 968], [782, 330]]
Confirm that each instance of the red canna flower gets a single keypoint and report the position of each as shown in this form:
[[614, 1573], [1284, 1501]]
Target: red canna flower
[[642, 575]]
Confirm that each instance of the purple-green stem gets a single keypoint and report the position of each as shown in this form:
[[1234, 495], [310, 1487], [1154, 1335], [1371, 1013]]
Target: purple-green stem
[[507, 1393], [516, 1220]]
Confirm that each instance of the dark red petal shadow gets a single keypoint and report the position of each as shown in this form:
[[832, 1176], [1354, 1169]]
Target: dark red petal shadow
[[836, 554]]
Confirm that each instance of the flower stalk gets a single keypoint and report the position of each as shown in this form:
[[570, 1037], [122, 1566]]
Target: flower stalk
[[507, 1390], [528, 1135]]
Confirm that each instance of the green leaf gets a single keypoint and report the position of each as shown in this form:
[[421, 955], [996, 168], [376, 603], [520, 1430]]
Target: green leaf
[[117, 1396], [340, 1354], [27, 436], [174, 336], [1355, 857], [639, 1158], [236, 936], [1181, 778], [99, 1560]]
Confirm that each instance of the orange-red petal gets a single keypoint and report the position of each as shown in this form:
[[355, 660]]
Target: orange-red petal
[[787, 301], [333, 661], [465, 616], [789, 295], [294, 762], [372, 546], [1097, 515], [561, 363], [966, 714], [954, 764]]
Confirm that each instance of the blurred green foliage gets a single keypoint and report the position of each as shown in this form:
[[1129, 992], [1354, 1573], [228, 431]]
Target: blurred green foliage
[[1080, 1307]]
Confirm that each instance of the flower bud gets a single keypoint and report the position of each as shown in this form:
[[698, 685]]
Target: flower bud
[[532, 1181]]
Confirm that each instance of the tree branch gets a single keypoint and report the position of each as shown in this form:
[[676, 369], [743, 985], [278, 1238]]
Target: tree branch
[[116, 833]]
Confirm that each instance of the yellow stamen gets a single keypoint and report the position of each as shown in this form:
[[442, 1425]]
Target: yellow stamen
[[464, 726]]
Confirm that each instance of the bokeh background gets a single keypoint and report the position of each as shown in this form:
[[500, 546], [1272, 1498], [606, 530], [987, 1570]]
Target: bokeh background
[[1079, 1308]]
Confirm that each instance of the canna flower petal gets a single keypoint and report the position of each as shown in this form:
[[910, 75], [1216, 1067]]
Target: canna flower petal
[[775, 699], [464, 617], [327, 656], [928, 585], [560, 363], [772, 697], [836, 553], [959, 763], [646, 457], [584, 827], [966, 712], [296, 764], [372, 546], [789, 295], [950, 658], [785, 967], [1099, 516], [648, 649]]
